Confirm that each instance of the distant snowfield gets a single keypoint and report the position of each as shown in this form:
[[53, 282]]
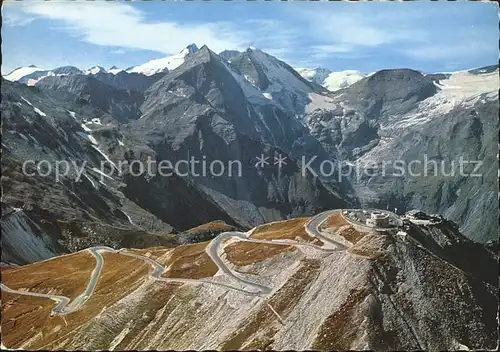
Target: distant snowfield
[[115, 71], [39, 112], [465, 85], [461, 88], [317, 75], [332, 81], [158, 65], [343, 79]]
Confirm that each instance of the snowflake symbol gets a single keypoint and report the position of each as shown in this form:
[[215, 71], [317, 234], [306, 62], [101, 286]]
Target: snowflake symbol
[[262, 161], [280, 160]]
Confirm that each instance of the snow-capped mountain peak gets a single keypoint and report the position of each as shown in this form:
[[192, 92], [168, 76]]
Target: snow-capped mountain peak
[[190, 49], [316, 75], [95, 70], [31, 75], [114, 70], [165, 64], [330, 80], [342, 79], [20, 72]]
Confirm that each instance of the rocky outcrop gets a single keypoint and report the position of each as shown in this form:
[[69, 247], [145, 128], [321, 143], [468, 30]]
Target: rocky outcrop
[[390, 92], [23, 242]]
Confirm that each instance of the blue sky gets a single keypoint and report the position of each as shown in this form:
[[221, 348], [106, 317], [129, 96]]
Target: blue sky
[[432, 37]]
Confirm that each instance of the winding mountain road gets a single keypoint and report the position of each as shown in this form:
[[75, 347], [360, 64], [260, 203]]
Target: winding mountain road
[[214, 250], [312, 228], [61, 301], [94, 277]]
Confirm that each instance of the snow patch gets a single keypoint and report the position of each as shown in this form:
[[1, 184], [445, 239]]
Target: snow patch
[[23, 136], [39, 112], [26, 101], [106, 157], [34, 139], [85, 128], [92, 139], [87, 136], [332, 81], [128, 217], [249, 80], [101, 173]]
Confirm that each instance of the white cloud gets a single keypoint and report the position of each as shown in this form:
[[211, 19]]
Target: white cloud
[[122, 25], [365, 29], [377, 29], [275, 37], [321, 52]]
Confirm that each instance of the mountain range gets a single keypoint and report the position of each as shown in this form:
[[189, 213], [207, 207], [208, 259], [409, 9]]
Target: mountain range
[[238, 106], [30, 75]]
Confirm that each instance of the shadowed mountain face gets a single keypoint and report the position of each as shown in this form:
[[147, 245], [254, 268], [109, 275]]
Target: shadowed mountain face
[[238, 107]]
